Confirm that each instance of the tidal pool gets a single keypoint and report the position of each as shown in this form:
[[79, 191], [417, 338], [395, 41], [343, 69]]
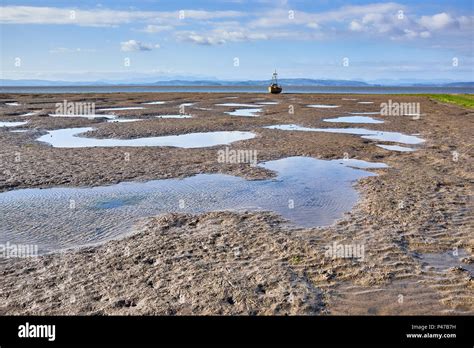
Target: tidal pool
[[174, 116], [442, 262], [92, 116], [396, 148], [30, 113], [155, 103], [366, 113], [122, 108], [69, 138], [237, 105], [355, 163], [12, 124], [244, 112], [306, 191], [365, 133], [125, 120], [353, 119], [323, 106]]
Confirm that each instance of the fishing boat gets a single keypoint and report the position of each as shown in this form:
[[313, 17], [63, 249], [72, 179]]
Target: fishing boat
[[275, 88]]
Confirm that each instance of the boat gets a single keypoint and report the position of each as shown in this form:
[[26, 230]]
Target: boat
[[275, 88]]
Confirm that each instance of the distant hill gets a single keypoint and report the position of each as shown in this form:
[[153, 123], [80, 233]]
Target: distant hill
[[284, 82], [460, 84], [48, 83]]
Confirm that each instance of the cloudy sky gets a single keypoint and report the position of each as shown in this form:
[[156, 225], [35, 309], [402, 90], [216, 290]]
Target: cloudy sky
[[237, 39]]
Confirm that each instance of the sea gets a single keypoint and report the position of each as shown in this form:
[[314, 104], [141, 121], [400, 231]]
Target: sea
[[238, 89]]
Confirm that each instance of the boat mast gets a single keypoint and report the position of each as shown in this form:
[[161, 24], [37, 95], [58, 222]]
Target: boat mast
[[274, 78]]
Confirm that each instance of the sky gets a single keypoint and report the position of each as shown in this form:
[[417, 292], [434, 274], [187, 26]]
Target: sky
[[145, 40]]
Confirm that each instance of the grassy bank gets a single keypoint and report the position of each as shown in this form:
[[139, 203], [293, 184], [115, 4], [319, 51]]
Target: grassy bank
[[464, 100]]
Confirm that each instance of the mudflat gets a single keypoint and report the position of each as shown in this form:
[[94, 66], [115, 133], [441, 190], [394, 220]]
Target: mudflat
[[413, 219]]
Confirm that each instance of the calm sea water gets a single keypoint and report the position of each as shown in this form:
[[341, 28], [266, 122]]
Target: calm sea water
[[237, 89], [321, 191]]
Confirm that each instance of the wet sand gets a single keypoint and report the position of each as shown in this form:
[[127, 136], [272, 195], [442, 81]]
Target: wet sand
[[408, 217]]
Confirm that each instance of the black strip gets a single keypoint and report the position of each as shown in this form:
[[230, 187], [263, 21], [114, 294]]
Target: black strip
[[241, 331]]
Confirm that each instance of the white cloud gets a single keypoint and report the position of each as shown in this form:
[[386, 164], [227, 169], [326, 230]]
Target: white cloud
[[281, 17], [100, 17], [220, 36], [194, 14], [356, 26], [425, 34], [410, 34], [134, 45], [466, 23], [438, 21], [151, 28], [70, 50], [219, 27], [193, 37], [390, 20]]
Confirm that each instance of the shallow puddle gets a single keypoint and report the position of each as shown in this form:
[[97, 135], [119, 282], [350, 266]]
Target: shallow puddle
[[365, 102], [124, 108], [366, 113], [396, 148], [322, 106], [69, 138], [125, 120], [155, 103], [13, 124], [353, 119], [417, 298], [30, 113], [307, 191], [173, 116], [90, 117], [13, 104], [268, 103], [365, 133], [442, 262], [244, 112], [237, 105], [355, 163]]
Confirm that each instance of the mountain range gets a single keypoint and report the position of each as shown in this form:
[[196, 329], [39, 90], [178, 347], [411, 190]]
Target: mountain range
[[284, 82]]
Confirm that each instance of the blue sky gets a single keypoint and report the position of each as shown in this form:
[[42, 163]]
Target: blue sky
[[91, 40]]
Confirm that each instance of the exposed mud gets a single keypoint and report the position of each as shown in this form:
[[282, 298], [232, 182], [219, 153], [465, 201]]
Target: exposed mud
[[252, 263]]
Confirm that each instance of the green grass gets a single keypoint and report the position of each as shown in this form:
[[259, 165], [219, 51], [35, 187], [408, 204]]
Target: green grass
[[295, 260], [464, 100]]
